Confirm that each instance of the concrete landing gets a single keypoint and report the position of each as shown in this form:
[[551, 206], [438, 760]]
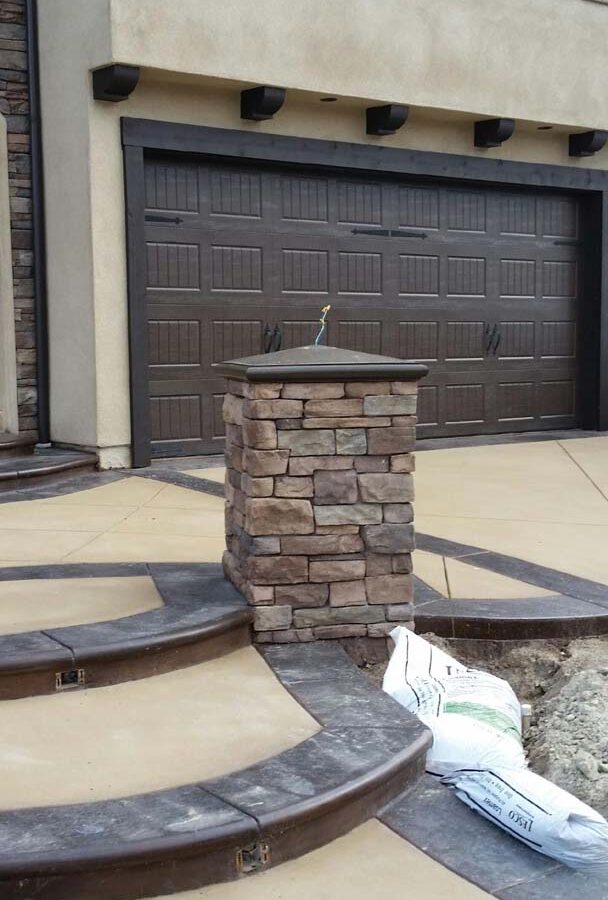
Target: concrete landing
[[179, 728], [370, 863]]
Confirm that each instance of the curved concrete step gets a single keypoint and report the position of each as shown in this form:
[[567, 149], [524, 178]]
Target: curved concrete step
[[16, 444], [368, 751], [19, 470], [203, 616]]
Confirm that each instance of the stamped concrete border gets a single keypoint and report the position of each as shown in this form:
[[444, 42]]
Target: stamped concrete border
[[203, 617], [368, 752]]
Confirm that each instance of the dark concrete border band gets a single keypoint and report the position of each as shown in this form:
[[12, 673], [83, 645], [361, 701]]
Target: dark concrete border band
[[368, 752], [577, 607], [203, 617]]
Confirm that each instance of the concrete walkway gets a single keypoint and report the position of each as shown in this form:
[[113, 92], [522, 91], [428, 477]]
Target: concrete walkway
[[544, 502]]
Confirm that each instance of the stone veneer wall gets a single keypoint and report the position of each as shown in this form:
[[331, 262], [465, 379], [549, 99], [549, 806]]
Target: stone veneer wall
[[14, 106], [318, 514]]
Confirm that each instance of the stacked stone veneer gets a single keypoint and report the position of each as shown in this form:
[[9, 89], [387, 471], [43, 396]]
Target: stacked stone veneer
[[319, 516]]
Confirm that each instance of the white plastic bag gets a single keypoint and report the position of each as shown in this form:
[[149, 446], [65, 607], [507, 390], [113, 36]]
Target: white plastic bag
[[475, 719], [474, 716], [539, 813]]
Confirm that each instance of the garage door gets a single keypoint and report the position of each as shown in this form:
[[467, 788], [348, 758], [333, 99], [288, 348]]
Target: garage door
[[480, 284]]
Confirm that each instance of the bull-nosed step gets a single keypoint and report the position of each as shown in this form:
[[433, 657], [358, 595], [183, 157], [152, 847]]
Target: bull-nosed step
[[203, 616], [18, 470], [368, 752]]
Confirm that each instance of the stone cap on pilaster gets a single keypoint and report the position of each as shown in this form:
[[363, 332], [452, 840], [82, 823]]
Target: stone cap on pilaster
[[320, 363]]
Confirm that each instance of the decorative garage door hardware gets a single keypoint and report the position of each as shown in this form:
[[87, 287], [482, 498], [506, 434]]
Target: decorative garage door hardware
[[390, 232], [273, 338], [494, 337], [176, 220]]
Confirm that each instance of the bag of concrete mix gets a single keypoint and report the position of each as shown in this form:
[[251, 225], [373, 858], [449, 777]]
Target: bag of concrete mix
[[539, 813], [475, 717]]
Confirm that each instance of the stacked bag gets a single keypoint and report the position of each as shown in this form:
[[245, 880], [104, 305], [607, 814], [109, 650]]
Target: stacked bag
[[477, 749]]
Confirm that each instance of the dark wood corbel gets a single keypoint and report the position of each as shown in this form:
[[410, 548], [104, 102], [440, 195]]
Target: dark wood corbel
[[493, 132], [586, 143], [115, 82], [387, 119], [261, 102]]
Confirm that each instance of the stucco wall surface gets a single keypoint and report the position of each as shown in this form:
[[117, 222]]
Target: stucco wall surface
[[246, 42], [541, 60]]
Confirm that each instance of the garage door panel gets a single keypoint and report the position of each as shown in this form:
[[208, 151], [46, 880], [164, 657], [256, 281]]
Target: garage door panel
[[482, 284]]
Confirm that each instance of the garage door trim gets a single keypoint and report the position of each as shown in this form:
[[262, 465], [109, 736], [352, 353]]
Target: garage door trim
[[139, 135]]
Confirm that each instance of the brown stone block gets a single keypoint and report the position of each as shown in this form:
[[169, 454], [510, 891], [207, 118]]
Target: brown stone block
[[403, 462], [404, 420], [272, 409], [238, 500], [307, 443], [384, 487], [393, 589], [404, 387], [380, 630], [264, 462], [262, 546], [234, 435], [290, 486], [267, 391], [347, 593], [258, 595], [337, 529], [388, 538], [293, 636], [334, 422], [257, 487], [372, 464], [232, 570], [234, 457], [302, 595], [278, 516], [351, 442], [333, 408], [335, 487], [336, 570], [232, 409], [316, 544], [392, 405], [335, 632], [349, 514], [402, 563], [398, 513], [337, 615], [363, 388], [401, 612], [235, 387], [288, 424], [307, 465], [260, 434], [277, 569], [271, 618], [378, 564], [312, 391], [391, 440]]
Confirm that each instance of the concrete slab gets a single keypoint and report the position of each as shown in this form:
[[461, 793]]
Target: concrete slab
[[186, 726], [215, 473], [370, 863], [57, 602], [467, 582]]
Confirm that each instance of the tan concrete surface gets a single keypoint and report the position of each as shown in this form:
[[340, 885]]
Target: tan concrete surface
[[467, 582], [370, 863], [131, 520], [532, 501], [56, 602], [145, 735]]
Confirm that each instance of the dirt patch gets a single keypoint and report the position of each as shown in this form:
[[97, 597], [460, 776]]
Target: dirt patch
[[567, 685]]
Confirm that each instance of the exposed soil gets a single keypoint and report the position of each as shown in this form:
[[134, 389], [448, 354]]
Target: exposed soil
[[567, 685]]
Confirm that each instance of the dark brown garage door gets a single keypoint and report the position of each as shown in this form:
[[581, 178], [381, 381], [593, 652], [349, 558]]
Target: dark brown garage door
[[481, 284]]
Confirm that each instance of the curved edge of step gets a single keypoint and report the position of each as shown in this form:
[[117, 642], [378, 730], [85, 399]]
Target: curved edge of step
[[367, 753], [20, 471], [203, 616]]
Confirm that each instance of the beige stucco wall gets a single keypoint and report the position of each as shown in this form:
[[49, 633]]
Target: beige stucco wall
[[452, 62], [8, 362]]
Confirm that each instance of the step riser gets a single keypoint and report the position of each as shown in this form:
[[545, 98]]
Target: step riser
[[190, 870], [101, 670], [46, 475]]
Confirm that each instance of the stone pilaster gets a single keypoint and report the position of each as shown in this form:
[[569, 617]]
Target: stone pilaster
[[319, 490]]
